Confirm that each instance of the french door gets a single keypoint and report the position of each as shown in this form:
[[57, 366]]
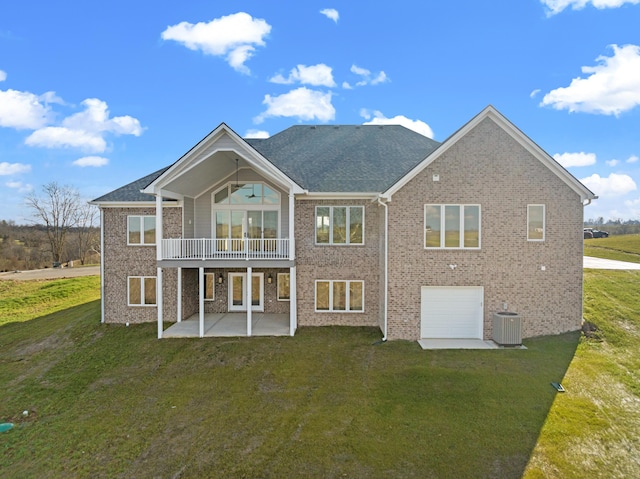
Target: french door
[[237, 225], [238, 292]]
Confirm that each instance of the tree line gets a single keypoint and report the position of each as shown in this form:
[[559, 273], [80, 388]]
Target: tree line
[[614, 226], [65, 229]]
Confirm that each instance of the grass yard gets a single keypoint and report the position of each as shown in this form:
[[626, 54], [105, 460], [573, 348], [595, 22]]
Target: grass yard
[[25, 300], [112, 401], [619, 247]]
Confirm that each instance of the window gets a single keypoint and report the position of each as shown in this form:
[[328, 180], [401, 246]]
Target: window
[[141, 230], [339, 225], [142, 290], [246, 194], [535, 222], [340, 296], [209, 286], [284, 293], [452, 226]]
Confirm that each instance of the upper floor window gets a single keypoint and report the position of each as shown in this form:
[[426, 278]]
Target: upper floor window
[[246, 194], [452, 226], [535, 222], [339, 225], [141, 230]]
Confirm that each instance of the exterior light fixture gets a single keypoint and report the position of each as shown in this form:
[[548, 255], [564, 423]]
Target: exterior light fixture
[[220, 278], [269, 278]]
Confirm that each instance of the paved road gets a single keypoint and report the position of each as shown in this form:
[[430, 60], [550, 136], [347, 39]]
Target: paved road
[[599, 263], [51, 273]]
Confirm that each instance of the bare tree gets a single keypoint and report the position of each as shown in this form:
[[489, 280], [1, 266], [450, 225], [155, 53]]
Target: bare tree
[[87, 233], [57, 208]]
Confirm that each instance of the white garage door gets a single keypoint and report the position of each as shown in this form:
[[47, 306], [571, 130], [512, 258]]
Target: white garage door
[[452, 312]]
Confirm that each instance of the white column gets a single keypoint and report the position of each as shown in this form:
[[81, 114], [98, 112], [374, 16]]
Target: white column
[[179, 303], [158, 226], [248, 300], [201, 301], [293, 302], [159, 301], [292, 241]]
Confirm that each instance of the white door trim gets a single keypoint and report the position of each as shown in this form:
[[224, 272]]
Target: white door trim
[[243, 307]]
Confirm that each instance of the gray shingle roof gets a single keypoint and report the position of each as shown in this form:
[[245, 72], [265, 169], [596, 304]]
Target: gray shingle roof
[[131, 192], [326, 158], [345, 158]]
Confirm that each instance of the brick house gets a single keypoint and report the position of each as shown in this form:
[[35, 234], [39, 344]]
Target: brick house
[[350, 225]]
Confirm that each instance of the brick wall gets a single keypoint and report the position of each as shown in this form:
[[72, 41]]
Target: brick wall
[[325, 262], [489, 168], [122, 260]]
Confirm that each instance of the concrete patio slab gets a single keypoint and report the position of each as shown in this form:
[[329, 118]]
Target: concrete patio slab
[[230, 325]]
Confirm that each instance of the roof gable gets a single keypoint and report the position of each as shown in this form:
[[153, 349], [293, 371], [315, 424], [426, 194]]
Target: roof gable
[[491, 113]]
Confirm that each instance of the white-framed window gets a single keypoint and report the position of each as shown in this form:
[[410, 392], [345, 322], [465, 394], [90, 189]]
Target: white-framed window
[[452, 226], [340, 225], [535, 222], [141, 290], [340, 296], [141, 230], [284, 290], [209, 286]]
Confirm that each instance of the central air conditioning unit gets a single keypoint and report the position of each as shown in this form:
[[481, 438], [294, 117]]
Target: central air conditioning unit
[[507, 329]]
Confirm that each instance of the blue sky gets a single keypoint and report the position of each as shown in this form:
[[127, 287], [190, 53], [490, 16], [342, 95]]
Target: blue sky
[[98, 94]]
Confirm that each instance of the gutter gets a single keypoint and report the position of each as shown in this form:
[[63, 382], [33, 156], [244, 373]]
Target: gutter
[[386, 264]]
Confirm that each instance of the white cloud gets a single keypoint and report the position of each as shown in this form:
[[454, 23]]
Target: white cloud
[[612, 163], [366, 77], [86, 129], [7, 169], [611, 87], [233, 36], [575, 159], [346, 85], [256, 134], [632, 159], [331, 14], [534, 93], [3, 75], [20, 186], [379, 119], [556, 6], [95, 161], [316, 75], [302, 103], [613, 185], [22, 110]]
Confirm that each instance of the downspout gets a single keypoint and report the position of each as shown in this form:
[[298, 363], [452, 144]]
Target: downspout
[[386, 265], [101, 265], [582, 298]]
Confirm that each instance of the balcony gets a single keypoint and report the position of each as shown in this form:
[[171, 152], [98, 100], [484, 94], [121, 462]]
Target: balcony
[[225, 249]]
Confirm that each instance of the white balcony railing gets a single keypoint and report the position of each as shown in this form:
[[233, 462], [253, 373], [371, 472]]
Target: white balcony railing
[[205, 248]]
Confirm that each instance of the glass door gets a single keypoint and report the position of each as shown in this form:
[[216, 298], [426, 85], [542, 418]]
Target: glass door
[[237, 230], [238, 292]]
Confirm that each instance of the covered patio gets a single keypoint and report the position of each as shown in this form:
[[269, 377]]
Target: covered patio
[[230, 325]]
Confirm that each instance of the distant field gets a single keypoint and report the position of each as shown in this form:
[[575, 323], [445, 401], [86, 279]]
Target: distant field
[[620, 248]]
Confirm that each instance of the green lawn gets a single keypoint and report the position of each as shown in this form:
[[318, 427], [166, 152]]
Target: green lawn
[[619, 247], [112, 401]]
